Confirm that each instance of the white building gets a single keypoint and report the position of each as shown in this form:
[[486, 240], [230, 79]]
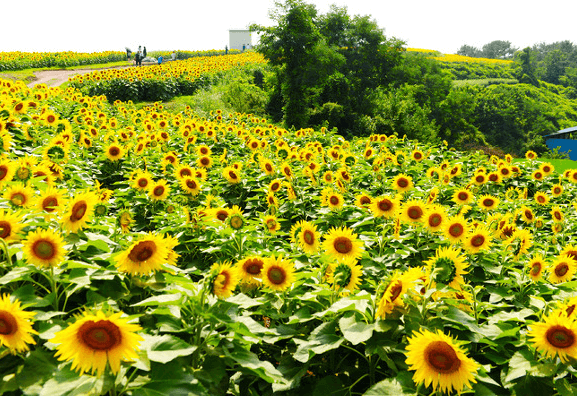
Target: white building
[[240, 39]]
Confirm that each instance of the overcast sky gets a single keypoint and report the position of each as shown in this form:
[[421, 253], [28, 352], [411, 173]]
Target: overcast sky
[[443, 25]]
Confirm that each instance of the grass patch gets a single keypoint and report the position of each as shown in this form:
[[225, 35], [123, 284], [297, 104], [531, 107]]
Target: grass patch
[[485, 81], [561, 165]]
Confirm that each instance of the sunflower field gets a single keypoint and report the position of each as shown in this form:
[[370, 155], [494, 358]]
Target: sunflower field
[[147, 252]]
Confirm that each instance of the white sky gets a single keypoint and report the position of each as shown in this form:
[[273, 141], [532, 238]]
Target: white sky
[[443, 25]]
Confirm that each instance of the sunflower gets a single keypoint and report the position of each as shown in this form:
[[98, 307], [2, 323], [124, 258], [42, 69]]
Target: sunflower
[[96, 339], [363, 200], [402, 183], [557, 214], [159, 191], [145, 256], [345, 275], [455, 228], [438, 360], [527, 214], [142, 180], [435, 217], [463, 196], [531, 155], [555, 336], [272, 200], [447, 266], [488, 202], [546, 168], [332, 199], [50, 201], [392, 297], [44, 248], [114, 152], [236, 219], [79, 211], [19, 195], [556, 190], [190, 185], [224, 277], [275, 186], [519, 242], [479, 179], [15, 326], [541, 198], [478, 239], [569, 250], [308, 237], [384, 206], [343, 244], [535, 267], [277, 273], [413, 211], [10, 226], [125, 220], [7, 170], [562, 269], [204, 162], [271, 223], [231, 174], [250, 268]]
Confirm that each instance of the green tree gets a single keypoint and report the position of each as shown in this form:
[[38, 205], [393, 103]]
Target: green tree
[[555, 63], [469, 50], [499, 49], [526, 67]]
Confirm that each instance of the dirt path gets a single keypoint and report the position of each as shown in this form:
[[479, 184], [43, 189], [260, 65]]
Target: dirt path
[[54, 78]]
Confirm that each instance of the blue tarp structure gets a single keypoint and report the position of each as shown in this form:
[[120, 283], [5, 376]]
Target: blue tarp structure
[[565, 139]]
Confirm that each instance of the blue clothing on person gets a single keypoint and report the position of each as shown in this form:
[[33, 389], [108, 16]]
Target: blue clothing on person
[[160, 59]]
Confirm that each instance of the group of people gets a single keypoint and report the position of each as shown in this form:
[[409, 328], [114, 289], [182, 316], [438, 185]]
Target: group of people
[[141, 54]]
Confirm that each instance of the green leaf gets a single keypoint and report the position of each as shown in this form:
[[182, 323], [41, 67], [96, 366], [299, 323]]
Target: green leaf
[[69, 383], [518, 367], [163, 299], [330, 385], [322, 339], [387, 387], [248, 360], [355, 332], [165, 348]]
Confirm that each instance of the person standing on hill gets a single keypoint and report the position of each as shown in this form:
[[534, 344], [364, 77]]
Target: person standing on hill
[[144, 52], [173, 56]]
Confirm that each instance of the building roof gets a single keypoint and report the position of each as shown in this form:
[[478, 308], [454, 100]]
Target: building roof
[[562, 132]]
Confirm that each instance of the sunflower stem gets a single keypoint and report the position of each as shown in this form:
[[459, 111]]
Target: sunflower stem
[[5, 249], [54, 284]]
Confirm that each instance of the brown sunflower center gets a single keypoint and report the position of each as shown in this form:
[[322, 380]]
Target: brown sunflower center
[[442, 358], [479, 178], [365, 201], [185, 172], [8, 324], [44, 249], [396, 290], [18, 199], [536, 269], [78, 211], [560, 337], [114, 151], [142, 251], [343, 245], [488, 202], [275, 186], [435, 220], [253, 267], [463, 196], [191, 184], [403, 183], [232, 175], [158, 191], [561, 269], [222, 215], [385, 205], [529, 214], [49, 204], [334, 200], [415, 212], [3, 171], [102, 335], [205, 161], [142, 182], [276, 275], [557, 215], [456, 230], [5, 229], [477, 241], [309, 237]]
